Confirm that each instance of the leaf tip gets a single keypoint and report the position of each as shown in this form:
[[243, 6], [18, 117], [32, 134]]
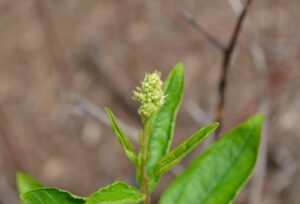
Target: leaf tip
[[216, 124], [107, 110], [179, 66], [258, 118], [213, 126], [20, 176]]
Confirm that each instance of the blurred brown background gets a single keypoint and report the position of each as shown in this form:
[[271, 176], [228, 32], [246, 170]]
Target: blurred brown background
[[63, 61]]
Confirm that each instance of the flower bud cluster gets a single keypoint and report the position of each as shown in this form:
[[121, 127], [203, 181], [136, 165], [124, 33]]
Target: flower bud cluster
[[150, 94]]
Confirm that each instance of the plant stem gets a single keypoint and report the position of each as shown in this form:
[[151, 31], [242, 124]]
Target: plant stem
[[145, 156], [147, 192], [146, 189]]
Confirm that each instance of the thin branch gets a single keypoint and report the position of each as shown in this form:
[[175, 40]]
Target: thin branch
[[227, 55], [260, 61], [191, 21], [226, 51], [255, 48], [82, 105], [197, 113]]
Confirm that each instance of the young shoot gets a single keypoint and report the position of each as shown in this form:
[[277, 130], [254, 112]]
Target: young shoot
[[215, 177]]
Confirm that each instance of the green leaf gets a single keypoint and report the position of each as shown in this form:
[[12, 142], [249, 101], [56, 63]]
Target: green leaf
[[175, 156], [116, 193], [26, 183], [164, 121], [123, 139], [219, 173], [50, 196]]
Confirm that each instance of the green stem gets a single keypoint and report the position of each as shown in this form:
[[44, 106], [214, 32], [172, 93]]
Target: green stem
[[145, 157]]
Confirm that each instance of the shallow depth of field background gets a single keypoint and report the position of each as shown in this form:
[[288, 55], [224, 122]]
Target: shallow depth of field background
[[62, 62]]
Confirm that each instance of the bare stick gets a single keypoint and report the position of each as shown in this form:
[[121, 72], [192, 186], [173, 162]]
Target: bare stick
[[260, 61], [255, 47], [191, 20], [226, 51], [227, 55], [197, 113], [81, 104]]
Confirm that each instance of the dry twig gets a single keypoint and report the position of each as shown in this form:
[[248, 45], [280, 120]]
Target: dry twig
[[226, 51], [260, 61], [210, 38], [227, 55], [82, 105]]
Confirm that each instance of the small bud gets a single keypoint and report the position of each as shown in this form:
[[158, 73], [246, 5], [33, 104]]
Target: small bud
[[150, 94]]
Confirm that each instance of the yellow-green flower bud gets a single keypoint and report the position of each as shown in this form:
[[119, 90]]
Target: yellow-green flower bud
[[150, 94]]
